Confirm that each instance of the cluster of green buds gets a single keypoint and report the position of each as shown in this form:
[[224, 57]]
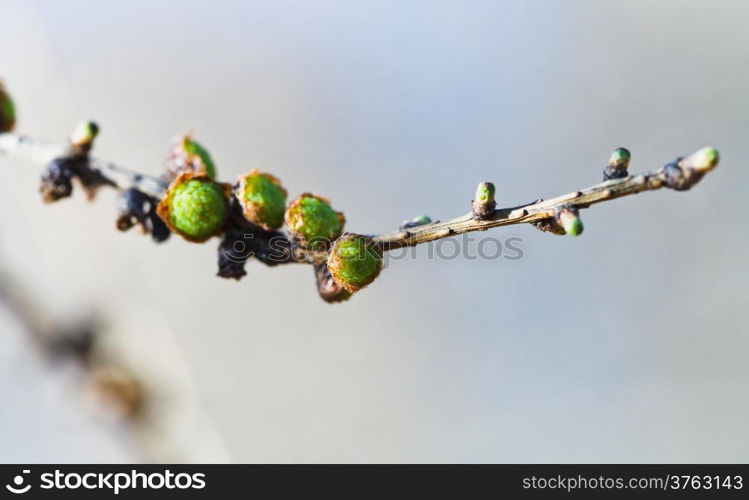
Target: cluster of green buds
[[483, 204], [569, 220], [355, 261], [7, 111], [188, 155], [618, 164], [197, 208]]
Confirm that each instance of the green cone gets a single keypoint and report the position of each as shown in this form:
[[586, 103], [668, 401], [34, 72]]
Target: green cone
[[311, 219], [195, 207], [354, 261], [262, 198], [188, 155]]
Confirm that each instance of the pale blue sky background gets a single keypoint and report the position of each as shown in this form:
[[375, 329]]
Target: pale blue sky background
[[630, 343]]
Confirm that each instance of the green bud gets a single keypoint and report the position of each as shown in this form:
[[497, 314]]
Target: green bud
[[188, 155], [485, 192], [7, 111], [354, 261], [416, 222], [195, 207], [620, 158], [311, 219], [84, 134], [704, 160], [262, 198], [570, 220], [483, 205]]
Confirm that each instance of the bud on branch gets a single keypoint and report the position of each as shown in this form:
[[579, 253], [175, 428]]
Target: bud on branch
[[256, 223]]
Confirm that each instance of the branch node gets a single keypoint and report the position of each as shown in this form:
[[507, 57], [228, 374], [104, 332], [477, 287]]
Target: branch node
[[57, 180], [233, 255], [135, 207], [683, 173], [549, 225]]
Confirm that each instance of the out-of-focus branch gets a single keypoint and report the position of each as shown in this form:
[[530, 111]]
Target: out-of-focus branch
[[119, 393], [79, 343], [43, 152]]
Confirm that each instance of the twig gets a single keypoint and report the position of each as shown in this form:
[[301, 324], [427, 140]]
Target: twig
[[43, 152], [535, 212], [242, 239], [120, 391]]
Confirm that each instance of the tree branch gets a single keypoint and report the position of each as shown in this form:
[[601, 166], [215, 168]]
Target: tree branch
[[242, 239], [42, 152], [536, 212]]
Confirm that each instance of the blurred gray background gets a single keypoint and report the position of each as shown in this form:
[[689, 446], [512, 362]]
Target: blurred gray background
[[628, 344]]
